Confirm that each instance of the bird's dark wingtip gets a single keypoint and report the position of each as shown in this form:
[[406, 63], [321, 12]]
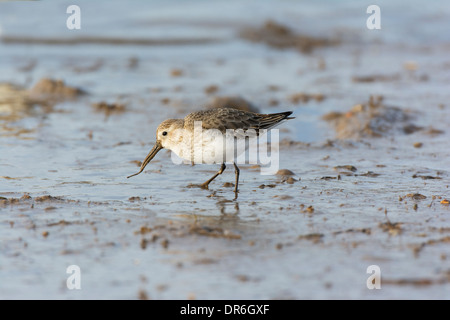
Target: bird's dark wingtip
[[288, 113]]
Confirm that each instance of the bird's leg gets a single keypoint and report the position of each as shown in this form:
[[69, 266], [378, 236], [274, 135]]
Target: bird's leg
[[236, 172], [205, 184]]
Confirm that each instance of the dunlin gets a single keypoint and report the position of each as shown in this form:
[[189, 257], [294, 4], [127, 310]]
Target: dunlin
[[211, 143]]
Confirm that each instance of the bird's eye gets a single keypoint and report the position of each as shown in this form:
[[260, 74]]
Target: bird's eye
[[164, 133]]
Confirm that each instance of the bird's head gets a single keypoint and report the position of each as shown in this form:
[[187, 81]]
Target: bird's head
[[167, 134]]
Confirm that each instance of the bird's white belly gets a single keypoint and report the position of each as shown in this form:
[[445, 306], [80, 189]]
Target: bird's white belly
[[210, 147]]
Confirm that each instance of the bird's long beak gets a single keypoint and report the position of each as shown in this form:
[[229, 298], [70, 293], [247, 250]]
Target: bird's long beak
[[149, 157]]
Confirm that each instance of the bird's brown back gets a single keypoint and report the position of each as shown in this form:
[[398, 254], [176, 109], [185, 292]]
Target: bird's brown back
[[228, 118]]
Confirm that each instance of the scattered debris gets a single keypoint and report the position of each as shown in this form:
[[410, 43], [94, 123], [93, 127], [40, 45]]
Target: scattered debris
[[392, 228], [165, 243], [305, 97], [309, 209], [285, 172], [420, 247], [369, 174], [290, 180], [133, 62], [214, 232], [13, 101], [416, 196], [425, 177], [376, 78], [232, 102], [228, 185], [176, 72], [346, 167], [142, 295], [50, 92], [211, 89], [267, 186], [410, 65], [281, 37], [414, 281], [283, 197], [371, 119], [165, 100], [109, 108], [314, 237], [434, 132], [48, 198], [367, 231]]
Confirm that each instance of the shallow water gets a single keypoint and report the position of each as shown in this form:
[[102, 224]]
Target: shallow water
[[153, 237]]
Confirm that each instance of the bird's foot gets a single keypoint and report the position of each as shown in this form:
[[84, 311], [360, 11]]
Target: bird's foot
[[204, 186]]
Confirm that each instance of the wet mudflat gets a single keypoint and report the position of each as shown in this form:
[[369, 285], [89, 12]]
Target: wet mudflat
[[363, 175]]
